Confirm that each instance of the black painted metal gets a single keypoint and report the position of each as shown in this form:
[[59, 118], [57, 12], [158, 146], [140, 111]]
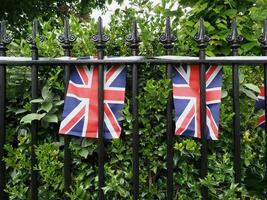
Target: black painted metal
[[202, 38], [167, 39], [66, 39], [133, 42], [4, 41], [252, 60], [263, 41], [100, 39], [234, 39], [34, 124]]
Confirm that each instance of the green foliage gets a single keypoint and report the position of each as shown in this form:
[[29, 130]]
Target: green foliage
[[152, 99], [47, 112], [20, 13]]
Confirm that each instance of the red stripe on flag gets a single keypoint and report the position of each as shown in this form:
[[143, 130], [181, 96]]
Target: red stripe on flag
[[194, 79], [92, 123], [214, 95], [111, 71], [212, 124], [73, 121], [114, 95], [112, 120], [185, 92], [261, 120], [83, 74], [262, 91], [210, 71], [78, 91], [185, 122]]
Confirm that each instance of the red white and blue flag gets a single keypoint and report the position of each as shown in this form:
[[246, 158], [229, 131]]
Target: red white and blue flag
[[186, 97], [80, 115], [260, 105]]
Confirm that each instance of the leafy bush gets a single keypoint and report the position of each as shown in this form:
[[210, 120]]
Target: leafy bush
[[153, 92]]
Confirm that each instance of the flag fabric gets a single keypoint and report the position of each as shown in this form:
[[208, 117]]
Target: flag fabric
[[260, 105], [80, 114], [186, 97]]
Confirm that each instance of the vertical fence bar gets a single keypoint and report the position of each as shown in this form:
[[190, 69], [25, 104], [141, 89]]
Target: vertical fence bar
[[202, 38], [167, 39], [4, 40], [66, 39], [34, 124], [133, 42], [100, 39], [263, 41], [234, 39]]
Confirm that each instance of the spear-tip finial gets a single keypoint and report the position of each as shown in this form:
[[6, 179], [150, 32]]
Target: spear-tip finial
[[234, 38], [133, 39], [35, 33], [35, 26], [201, 37], [100, 38], [66, 38], [168, 38], [5, 39], [263, 37]]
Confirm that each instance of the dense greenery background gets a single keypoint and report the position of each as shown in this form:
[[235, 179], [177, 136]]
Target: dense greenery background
[[152, 103]]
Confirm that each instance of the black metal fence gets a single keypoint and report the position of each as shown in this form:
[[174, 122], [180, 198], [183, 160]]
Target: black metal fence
[[133, 42]]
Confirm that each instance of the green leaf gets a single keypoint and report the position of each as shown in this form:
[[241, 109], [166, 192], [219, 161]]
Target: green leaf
[[59, 103], [252, 87], [84, 153], [19, 111], [230, 12], [37, 101], [224, 94], [46, 106], [27, 119], [45, 92], [51, 118], [249, 93], [248, 46], [44, 123], [241, 77]]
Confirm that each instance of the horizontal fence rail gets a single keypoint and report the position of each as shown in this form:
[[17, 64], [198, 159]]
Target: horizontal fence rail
[[246, 60], [135, 62]]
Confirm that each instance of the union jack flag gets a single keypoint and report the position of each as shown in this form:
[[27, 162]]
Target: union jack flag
[[260, 105], [80, 115], [186, 97]]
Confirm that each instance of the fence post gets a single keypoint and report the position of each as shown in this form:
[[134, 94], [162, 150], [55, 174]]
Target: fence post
[[133, 41], [202, 38], [167, 39], [263, 41], [4, 41], [66, 39], [100, 39], [34, 95], [234, 40]]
